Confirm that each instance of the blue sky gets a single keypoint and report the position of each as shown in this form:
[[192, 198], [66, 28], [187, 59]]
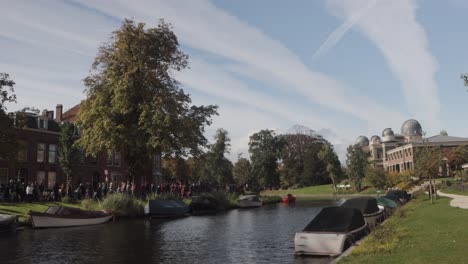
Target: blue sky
[[342, 68]]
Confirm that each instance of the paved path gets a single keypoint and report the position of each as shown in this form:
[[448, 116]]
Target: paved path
[[460, 201]]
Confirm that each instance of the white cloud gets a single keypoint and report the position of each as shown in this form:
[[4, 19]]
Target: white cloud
[[394, 30]]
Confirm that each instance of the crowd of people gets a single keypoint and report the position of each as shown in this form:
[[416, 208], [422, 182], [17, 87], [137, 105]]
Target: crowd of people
[[18, 191]]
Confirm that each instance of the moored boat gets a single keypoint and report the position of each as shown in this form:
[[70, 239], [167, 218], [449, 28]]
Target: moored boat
[[289, 198], [8, 223], [388, 205], [58, 216], [248, 201], [160, 208], [402, 195], [368, 207], [331, 232], [202, 205]]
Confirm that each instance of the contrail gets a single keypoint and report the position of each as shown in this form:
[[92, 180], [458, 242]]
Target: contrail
[[338, 33]]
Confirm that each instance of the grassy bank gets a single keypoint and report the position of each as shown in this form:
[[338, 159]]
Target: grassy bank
[[419, 233], [326, 189]]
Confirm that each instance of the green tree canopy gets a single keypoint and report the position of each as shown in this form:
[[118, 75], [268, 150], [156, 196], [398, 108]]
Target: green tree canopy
[[333, 166], [217, 167], [67, 151], [134, 105], [357, 162], [300, 163], [242, 172], [265, 150], [8, 138]]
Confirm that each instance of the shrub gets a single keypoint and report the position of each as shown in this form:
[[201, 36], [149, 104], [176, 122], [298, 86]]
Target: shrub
[[123, 204], [270, 199], [68, 200], [225, 200], [90, 204]]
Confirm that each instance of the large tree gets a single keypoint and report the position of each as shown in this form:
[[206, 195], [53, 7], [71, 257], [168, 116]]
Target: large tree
[[265, 150], [67, 151], [427, 165], [357, 162], [218, 169], [242, 172], [333, 165], [8, 139], [300, 163], [133, 103]]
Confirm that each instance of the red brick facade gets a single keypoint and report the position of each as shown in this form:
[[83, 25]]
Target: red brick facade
[[38, 158]]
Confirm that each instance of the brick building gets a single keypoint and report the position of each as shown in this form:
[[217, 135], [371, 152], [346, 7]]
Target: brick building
[[38, 156]]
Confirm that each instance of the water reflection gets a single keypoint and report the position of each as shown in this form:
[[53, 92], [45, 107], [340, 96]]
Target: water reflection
[[263, 235]]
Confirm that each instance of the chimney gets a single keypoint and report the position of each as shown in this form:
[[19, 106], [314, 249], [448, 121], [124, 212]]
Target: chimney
[[50, 114], [44, 112], [58, 111]]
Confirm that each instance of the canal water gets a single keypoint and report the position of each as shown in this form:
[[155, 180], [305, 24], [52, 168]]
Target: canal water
[[261, 235]]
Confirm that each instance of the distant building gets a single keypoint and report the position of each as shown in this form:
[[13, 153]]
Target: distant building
[[397, 152], [37, 159]]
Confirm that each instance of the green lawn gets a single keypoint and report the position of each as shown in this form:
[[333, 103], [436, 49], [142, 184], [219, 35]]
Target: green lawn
[[326, 189], [22, 209], [420, 233]]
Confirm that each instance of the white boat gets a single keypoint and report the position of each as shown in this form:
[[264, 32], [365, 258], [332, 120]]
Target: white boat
[[331, 232], [373, 214], [248, 201], [57, 216], [8, 223]]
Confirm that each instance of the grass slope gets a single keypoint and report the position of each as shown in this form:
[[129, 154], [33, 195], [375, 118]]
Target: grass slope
[[326, 189], [421, 233]]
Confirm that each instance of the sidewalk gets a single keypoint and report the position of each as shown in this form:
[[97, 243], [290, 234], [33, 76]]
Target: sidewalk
[[460, 201]]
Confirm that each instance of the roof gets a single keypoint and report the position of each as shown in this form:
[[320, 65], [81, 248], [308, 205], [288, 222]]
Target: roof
[[442, 139], [70, 115], [31, 122]]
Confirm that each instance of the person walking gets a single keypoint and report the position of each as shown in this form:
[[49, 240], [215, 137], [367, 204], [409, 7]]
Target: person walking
[[29, 193]]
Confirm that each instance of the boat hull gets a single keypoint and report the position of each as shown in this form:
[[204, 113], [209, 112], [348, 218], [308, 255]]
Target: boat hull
[[373, 220], [249, 204], [325, 244], [8, 223], [41, 221]]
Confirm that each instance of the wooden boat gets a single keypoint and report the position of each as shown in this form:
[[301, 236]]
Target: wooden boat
[[249, 201], [160, 208], [58, 216], [368, 207], [203, 205], [331, 232], [287, 199], [8, 223]]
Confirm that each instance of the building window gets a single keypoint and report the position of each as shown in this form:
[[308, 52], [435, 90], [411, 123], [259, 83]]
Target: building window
[[156, 165], [42, 123], [4, 176], [22, 151], [51, 179], [40, 177], [116, 158], [40, 152], [109, 160], [52, 153]]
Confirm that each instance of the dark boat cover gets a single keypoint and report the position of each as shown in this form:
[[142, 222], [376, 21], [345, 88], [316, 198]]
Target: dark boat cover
[[167, 207], [393, 198], [367, 205], [336, 220], [399, 193], [204, 203]]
